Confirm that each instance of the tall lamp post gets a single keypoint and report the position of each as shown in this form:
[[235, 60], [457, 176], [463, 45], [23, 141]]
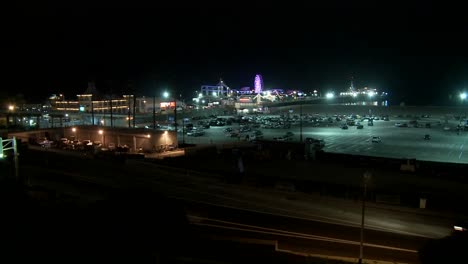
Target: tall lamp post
[[365, 180], [166, 95], [300, 120], [154, 112], [463, 97]]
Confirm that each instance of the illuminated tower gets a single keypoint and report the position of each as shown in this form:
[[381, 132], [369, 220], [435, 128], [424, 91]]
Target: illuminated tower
[[258, 84]]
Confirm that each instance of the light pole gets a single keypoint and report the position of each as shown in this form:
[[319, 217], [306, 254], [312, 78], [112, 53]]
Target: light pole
[[365, 180], [101, 132], [300, 121], [463, 97], [166, 95], [154, 112]]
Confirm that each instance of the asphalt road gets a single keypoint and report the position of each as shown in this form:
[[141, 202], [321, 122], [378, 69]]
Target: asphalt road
[[307, 224], [306, 236]]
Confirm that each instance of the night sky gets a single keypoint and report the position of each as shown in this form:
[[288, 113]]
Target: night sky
[[417, 53]]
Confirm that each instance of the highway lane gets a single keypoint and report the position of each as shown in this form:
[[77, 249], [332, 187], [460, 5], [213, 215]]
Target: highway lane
[[312, 238], [192, 187], [324, 235]]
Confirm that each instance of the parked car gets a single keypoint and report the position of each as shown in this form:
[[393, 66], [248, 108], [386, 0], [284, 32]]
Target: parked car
[[359, 126], [427, 137], [376, 139]]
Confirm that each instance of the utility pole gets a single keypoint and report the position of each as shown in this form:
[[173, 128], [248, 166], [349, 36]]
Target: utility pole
[[92, 111], [154, 104], [134, 109], [300, 121], [129, 116], [175, 119], [365, 179], [183, 130], [111, 112]]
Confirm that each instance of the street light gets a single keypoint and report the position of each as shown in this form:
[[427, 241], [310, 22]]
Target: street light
[[101, 132], [463, 96], [11, 107], [165, 137], [365, 180], [300, 120], [166, 95]]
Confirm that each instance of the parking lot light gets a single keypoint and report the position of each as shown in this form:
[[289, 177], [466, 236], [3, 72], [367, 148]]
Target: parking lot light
[[100, 131], [463, 96]]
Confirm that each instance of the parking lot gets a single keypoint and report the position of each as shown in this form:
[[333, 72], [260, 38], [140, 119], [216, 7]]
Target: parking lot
[[446, 143]]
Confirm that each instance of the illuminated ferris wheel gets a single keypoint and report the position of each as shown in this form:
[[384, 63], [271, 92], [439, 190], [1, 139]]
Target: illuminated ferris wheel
[[258, 84]]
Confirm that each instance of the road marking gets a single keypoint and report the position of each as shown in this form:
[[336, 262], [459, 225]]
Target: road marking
[[272, 231], [311, 217]]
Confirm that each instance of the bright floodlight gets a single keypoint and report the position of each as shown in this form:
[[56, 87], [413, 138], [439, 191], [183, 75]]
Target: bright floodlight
[[371, 93], [214, 93], [329, 95], [354, 94], [74, 129], [200, 95], [463, 96], [100, 131], [166, 94], [11, 107]]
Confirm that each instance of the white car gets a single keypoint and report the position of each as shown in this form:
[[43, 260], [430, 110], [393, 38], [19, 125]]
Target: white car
[[376, 139]]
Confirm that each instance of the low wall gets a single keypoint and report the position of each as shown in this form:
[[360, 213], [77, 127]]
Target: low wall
[[146, 139]]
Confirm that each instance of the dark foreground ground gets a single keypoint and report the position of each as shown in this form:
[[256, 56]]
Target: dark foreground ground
[[43, 226], [129, 226]]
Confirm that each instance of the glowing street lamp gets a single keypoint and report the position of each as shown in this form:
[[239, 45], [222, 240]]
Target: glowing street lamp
[[165, 135], [74, 129], [100, 132], [166, 95], [329, 95], [463, 96]]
